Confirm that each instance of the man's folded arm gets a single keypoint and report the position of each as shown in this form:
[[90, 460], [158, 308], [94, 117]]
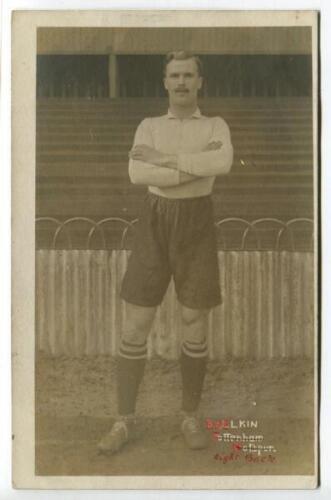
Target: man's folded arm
[[143, 173], [217, 161]]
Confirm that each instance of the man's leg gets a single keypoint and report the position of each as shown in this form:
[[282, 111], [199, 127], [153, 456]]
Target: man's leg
[[193, 356], [130, 369], [132, 356], [193, 368]]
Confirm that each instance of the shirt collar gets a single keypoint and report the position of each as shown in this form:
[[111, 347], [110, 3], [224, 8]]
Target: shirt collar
[[196, 114]]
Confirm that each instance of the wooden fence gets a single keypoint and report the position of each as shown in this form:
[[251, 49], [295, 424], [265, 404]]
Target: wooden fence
[[267, 309], [267, 287], [268, 294]]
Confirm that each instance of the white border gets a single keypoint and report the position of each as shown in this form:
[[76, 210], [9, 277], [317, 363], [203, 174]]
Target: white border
[[5, 231]]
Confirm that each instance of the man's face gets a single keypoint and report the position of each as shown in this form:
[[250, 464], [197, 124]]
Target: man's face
[[182, 81]]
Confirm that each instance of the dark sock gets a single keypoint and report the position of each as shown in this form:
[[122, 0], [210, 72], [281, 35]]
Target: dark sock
[[130, 370], [193, 368]]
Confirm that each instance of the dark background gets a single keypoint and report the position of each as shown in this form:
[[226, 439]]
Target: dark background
[[141, 75], [85, 127]]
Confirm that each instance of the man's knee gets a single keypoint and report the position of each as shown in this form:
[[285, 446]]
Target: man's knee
[[138, 323], [191, 317]]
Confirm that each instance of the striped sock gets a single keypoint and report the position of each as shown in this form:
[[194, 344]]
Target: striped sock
[[193, 369], [130, 370]]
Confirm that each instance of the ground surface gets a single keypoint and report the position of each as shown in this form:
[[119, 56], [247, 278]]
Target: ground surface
[[76, 405]]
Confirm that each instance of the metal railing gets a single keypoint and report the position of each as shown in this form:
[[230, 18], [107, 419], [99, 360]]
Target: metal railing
[[260, 234]]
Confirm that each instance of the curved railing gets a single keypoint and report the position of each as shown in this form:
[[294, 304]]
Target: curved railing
[[233, 233]]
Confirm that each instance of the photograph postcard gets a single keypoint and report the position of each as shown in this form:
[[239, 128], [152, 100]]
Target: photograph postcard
[[165, 249]]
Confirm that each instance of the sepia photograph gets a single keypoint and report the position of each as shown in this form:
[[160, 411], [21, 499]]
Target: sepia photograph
[[175, 246]]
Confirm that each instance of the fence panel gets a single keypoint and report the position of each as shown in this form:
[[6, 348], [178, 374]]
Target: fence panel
[[267, 310]]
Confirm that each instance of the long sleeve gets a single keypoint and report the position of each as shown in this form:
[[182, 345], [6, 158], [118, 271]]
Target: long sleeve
[[145, 173], [210, 163], [151, 175]]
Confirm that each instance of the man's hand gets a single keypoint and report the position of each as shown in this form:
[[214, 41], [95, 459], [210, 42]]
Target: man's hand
[[213, 146], [147, 154]]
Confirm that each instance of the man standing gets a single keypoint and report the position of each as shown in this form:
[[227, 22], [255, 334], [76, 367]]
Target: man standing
[[177, 156]]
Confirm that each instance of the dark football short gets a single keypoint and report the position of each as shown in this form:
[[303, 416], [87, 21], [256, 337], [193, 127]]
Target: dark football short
[[174, 238]]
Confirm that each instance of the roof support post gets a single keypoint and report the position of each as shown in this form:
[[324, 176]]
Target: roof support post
[[113, 76]]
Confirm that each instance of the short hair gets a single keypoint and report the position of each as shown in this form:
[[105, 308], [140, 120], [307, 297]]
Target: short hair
[[182, 55]]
